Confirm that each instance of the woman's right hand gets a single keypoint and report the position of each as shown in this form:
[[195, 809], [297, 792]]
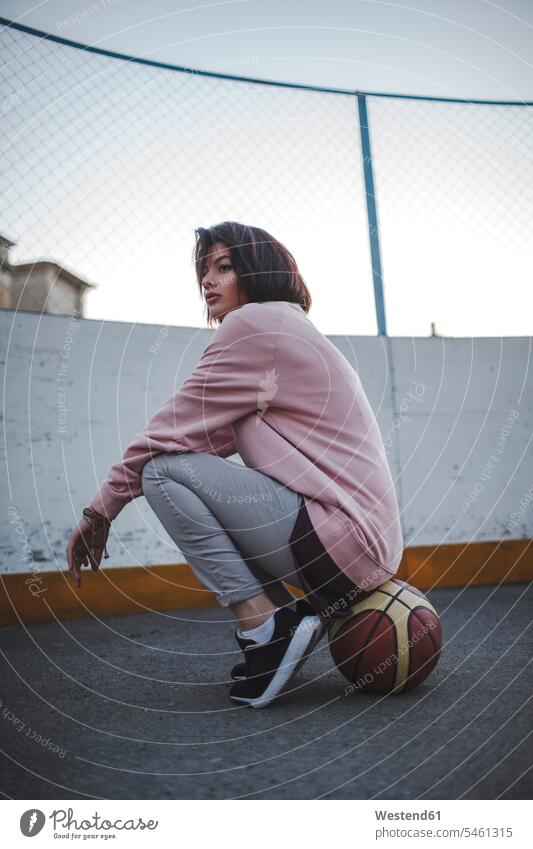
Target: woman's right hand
[[85, 547]]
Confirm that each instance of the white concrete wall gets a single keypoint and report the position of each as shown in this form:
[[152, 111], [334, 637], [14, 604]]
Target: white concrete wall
[[456, 416]]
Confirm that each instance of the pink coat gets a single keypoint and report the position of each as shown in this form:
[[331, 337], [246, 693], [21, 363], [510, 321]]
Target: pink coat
[[273, 388]]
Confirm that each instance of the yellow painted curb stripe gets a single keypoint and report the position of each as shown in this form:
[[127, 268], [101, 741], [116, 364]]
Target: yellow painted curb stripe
[[34, 596]]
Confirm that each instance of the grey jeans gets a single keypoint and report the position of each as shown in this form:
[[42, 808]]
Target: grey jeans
[[231, 523]]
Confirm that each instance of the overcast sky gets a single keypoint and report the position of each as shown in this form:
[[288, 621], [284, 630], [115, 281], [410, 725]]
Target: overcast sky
[[453, 183], [458, 48]]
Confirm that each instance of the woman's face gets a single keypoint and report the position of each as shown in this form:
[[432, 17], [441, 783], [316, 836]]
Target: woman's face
[[219, 282]]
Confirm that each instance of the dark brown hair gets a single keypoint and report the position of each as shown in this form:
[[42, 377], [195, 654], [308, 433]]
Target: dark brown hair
[[265, 269]]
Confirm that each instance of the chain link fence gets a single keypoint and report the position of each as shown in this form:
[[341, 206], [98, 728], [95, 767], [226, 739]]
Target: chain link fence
[[455, 198], [109, 164]]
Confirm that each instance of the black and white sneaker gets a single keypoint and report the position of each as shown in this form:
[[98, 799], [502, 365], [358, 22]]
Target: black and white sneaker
[[269, 667], [238, 673]]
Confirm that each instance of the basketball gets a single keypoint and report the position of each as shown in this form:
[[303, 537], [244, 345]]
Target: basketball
[[390, 643]]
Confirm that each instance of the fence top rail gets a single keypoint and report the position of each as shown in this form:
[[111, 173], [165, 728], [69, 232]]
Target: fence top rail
[[5, 22]]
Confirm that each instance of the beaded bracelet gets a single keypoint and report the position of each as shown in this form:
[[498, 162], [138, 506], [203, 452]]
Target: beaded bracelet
[[97, 523]]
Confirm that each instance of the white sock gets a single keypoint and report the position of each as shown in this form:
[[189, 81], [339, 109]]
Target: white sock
[[263, 633]]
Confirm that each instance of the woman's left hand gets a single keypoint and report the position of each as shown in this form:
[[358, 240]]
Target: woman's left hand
[[85, 547]]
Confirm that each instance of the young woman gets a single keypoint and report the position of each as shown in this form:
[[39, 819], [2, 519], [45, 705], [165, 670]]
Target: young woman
[[314, 503]]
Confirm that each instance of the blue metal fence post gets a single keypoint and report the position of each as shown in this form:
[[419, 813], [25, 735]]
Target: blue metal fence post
[[372, 216]]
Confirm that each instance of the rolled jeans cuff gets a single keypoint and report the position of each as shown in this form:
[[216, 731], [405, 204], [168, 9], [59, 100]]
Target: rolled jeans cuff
[[231, 597]]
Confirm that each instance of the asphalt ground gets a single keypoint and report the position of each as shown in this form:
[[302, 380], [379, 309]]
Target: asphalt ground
[[137, 707]]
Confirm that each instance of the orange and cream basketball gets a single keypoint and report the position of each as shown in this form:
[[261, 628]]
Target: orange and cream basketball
[[390, 642]]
